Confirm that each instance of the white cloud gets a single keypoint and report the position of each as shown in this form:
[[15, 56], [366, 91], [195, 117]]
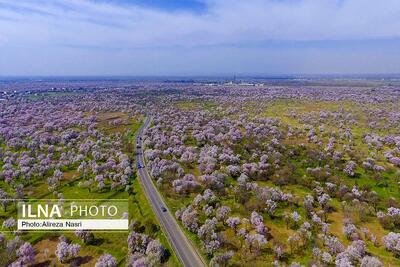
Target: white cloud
[[85, 23], [86, 37]]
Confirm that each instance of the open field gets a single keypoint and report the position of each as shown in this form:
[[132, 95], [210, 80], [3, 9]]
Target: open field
[[282, 175], [87, 155], [256, 175]]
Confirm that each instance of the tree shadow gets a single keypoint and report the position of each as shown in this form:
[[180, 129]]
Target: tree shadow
[[42, 264], [78, 261], [166, 256], [97, 241]]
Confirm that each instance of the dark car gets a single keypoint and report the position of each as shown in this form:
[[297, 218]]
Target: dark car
[[163, 209]]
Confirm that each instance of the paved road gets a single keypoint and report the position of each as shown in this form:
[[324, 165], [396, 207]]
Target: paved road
[[181, 245]]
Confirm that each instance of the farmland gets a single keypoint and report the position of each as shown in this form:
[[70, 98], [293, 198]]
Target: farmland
[[72, 146], [268, 175]]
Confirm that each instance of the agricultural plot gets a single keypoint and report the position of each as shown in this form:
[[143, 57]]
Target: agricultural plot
[[255, 176], [280, 176], [74, 146]]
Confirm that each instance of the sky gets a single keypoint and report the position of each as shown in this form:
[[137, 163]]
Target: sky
[[198, 37]]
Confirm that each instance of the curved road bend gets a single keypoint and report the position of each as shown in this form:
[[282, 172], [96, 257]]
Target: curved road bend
[[186, 252]]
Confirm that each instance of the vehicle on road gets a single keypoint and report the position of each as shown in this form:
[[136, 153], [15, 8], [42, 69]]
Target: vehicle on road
[[182, 246]]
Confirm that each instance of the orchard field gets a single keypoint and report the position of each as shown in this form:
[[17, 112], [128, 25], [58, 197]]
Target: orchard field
[[267, 175], [74, 145]]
